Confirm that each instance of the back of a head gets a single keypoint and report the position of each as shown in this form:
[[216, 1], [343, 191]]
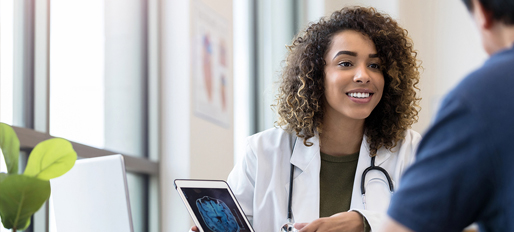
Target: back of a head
[[502, 10]]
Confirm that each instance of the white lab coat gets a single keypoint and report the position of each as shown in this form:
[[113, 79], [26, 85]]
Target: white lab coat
[[260, 181]]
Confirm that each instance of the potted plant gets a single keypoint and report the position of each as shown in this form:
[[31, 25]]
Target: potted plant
[[21, 195]]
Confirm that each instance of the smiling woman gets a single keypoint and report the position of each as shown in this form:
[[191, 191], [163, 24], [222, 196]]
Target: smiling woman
[[301, 110], [347, 99]]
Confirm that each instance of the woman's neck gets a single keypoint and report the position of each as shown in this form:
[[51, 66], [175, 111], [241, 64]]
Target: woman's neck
[[341, 136]]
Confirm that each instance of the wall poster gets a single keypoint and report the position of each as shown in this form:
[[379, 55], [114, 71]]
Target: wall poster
[[211, 32]]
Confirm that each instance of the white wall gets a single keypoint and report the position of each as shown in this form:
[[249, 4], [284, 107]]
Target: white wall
[[388, 6], [191, 146], [448, 44], [175, 118]]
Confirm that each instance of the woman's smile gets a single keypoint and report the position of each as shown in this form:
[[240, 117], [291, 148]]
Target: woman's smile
[[360, 96]]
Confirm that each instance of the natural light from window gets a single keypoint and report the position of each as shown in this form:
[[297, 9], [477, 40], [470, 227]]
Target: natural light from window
[[6, 61], [77, 71], [6, 71]]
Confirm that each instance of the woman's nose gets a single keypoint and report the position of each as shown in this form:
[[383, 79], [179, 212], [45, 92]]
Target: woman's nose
[[361, 75]]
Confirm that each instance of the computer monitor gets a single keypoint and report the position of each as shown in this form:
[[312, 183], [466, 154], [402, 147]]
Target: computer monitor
[[92, 196]]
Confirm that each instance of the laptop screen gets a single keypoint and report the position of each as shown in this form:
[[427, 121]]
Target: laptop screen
[[92, 196]]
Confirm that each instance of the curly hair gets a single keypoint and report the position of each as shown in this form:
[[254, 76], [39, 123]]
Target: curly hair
[[299, 101]]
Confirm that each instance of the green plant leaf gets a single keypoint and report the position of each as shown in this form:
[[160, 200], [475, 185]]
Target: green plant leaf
[[3, 176], [10, 146], [51, 158], [20, 197]]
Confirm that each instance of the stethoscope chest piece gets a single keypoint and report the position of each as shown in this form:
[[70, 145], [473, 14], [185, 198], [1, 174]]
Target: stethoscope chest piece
[[288, 227]]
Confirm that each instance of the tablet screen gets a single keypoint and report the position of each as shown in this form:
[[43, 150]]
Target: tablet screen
[[215, 209]]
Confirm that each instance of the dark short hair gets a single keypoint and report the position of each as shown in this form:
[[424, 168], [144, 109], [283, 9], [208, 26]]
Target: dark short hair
[[503, 10]]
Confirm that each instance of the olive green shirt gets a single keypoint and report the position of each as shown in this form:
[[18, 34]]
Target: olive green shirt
[[336, 184]]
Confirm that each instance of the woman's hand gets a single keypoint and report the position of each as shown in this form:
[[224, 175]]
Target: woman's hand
[[347, 221], [195, 229]]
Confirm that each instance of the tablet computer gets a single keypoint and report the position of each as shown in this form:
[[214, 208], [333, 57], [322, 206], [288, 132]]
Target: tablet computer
[[212, 206]]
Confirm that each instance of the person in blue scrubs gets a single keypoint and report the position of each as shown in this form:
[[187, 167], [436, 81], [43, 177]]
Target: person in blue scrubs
[[464, 172]]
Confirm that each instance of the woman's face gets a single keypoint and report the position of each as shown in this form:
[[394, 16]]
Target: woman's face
[[354, 82]]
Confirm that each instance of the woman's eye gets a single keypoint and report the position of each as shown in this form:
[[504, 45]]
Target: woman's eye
[[345, 64], [374, 66]]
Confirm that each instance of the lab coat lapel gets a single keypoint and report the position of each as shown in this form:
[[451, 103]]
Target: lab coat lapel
[[363, 163], [307, 163], [382, 156]]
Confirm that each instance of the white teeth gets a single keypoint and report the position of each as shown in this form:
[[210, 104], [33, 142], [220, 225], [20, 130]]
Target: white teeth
[[359, 95]]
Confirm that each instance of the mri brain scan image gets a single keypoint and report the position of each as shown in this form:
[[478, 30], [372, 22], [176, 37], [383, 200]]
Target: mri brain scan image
[[216, 215]]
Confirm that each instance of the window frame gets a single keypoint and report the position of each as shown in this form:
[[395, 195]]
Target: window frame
[[31, 100]]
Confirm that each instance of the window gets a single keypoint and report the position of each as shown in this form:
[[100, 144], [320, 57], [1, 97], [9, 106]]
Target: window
[[6, 70], [6, 61], [77, 71], [98, 81], [98, 74], [82, 73]]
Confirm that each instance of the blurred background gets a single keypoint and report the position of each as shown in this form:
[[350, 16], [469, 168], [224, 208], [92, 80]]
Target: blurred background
[[177, 85]]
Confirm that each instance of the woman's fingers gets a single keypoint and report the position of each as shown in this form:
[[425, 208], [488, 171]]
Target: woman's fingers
[[299, 226]]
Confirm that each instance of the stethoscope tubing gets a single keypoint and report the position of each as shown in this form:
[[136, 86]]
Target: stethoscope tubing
[[363, 178], [290, 201], [373, 167]]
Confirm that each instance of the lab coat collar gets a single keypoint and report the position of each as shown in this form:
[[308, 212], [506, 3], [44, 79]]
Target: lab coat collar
[[303, 155], [363, 163], [382, 153], [307, 164]]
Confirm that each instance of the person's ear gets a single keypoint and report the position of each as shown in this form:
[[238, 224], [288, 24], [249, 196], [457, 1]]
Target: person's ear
[[483, 17]]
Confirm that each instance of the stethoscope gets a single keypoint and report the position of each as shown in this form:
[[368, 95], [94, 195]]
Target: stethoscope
[[289, 226]]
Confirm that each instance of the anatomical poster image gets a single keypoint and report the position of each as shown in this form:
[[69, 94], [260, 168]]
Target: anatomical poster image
[[210, 66]]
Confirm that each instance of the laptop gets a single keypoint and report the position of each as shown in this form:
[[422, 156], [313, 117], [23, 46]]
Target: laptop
[[92, 196]]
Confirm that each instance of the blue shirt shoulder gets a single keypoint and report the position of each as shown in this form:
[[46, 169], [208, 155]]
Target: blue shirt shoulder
[[462, 169]]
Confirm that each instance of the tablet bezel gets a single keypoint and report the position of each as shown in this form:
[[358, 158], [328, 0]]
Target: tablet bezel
[[219, 184]]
